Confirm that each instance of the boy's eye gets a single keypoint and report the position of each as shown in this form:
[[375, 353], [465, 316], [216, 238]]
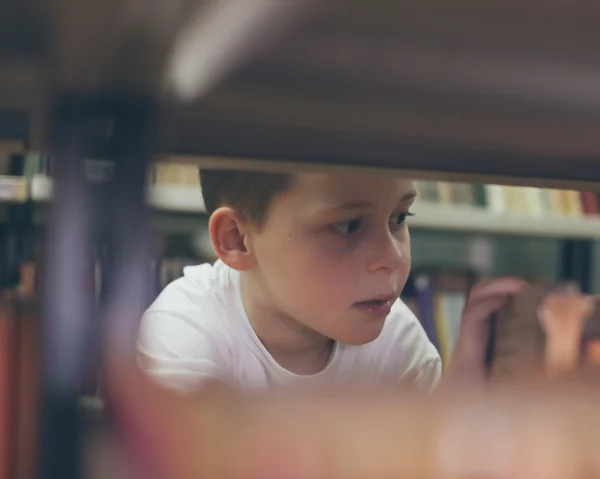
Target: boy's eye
[[348, 227], [400, 218]]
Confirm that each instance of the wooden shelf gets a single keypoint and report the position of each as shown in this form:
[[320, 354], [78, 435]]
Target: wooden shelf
[[493, 93]]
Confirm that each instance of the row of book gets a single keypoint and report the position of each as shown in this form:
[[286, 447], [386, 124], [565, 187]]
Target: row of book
[[437, 298], [498, 199], [174, 174], [30, 165], [510, 199]]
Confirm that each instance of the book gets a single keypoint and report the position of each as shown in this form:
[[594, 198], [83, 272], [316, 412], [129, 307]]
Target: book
[[8, 370], [27, 313], [511, 200], [437, 298], [19, 382], [546, 330], [426, 306]]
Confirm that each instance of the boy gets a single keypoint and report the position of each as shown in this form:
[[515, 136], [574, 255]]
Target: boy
[[305, 290]]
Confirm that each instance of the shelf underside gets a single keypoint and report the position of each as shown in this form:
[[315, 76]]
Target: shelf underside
[[505, 92]]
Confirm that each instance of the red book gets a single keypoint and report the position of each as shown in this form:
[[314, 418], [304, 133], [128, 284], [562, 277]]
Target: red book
[[27, 380], [8, 391], [589, 202]]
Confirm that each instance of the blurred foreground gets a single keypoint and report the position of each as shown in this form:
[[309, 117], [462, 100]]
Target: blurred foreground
[[543, 429]]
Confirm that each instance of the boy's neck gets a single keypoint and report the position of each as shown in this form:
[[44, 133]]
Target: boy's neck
[[292, 345]]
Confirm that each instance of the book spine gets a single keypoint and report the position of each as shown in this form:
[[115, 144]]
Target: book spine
[[28, 395], [425, 300], [8, 370]]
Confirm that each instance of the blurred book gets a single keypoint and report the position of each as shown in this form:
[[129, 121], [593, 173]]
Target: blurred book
[[174, 174], [437, 298], [503, 199]]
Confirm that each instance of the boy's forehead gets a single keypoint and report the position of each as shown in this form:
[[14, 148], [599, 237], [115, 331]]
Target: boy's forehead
[[351, 186]]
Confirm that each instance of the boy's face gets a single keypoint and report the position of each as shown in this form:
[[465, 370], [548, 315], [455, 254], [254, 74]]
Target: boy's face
[[334, 252]]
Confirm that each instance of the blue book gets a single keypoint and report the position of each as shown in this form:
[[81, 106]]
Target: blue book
[[425, 300]]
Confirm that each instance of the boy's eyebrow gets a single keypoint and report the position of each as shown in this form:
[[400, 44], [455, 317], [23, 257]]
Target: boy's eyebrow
[[363, 204], [411, 195]]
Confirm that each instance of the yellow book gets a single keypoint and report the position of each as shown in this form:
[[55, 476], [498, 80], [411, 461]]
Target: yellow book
[[444, 192], [441, 325], [556, 202], [574, 203], [516, 198]]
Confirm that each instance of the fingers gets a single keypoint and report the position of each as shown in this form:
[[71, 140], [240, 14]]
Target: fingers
[[485, 299], [488, 296], [497, 287]]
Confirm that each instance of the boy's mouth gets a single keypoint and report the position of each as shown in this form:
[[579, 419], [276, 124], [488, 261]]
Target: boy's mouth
[[374, 302], [378, 306]]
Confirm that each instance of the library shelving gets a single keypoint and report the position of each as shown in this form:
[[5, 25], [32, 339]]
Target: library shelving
[[428, 214], [502, 92], [163, 197], [479, 220]]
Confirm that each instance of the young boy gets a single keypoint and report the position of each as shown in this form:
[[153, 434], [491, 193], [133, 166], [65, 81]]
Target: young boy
[[305, 290]]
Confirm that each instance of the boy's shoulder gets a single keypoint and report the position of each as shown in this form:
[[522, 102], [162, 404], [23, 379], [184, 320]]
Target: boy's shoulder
[[185, 335], [199, 305], [201, 286]]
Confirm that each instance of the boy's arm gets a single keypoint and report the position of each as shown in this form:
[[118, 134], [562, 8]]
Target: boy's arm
[[177, 353]]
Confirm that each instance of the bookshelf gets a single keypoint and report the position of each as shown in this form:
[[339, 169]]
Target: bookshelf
[[162, 197], [484, 92], [428, 215], [169, 198], [437, 216], [176, 199], [13, 189]]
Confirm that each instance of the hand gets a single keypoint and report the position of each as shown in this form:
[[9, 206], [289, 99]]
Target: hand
[[486, 298]]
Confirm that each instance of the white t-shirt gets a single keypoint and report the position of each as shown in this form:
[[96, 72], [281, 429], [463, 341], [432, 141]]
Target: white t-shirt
[[197, 329]]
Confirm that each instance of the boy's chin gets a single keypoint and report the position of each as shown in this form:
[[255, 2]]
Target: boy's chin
[[360, 336]]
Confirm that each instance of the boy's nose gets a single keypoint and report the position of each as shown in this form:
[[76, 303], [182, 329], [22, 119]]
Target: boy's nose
[[388, 255]]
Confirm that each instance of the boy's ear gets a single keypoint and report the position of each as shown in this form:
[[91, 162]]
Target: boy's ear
[[229, 235]]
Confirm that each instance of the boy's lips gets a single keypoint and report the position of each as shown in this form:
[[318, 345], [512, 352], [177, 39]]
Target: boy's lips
[[379, 306]]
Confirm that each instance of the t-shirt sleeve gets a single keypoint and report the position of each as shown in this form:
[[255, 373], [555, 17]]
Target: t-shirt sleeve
[[415, 359], [180, 353], [428, 375]]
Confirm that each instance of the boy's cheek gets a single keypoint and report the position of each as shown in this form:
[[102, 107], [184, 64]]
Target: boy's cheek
[[321, 276]]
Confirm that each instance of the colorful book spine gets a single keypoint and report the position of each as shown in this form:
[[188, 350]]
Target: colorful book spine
[[425, 300], [8, 369]]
